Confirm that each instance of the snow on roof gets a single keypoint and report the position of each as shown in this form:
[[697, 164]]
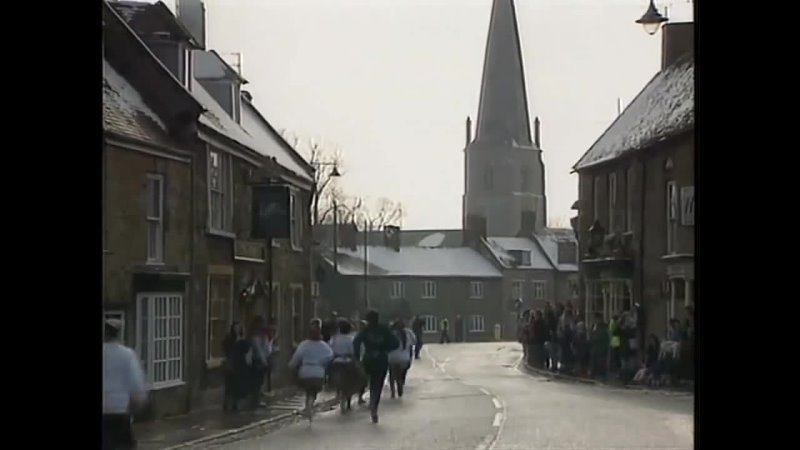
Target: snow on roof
[[125, 112], [664, 107], [502, 246], [431, 240], [549, 239], [216, 118], [415, 262], [269, 142]]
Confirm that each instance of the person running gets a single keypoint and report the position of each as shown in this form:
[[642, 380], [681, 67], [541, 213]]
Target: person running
[[359, 326], [123, 389], [347, 377], [445, 338], [378, 341], [416, 326], [400, 358], [310, 361]]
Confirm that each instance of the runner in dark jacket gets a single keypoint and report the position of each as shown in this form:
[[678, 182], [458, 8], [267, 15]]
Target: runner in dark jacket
[[378, 340]]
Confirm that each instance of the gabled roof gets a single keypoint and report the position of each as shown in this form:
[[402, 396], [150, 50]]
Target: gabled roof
[[126, 114], [271, 144], [663, 109], [151, 18], [502, 246], [414, 262], [549, 238]]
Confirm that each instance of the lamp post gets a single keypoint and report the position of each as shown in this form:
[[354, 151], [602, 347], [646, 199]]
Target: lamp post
[[652, 19]]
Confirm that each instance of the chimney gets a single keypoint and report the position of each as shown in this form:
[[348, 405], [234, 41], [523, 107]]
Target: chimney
[[391, 237], [536, 134], [192, 13], [348, 235], [677, 40], [469, 130], [475, 229]]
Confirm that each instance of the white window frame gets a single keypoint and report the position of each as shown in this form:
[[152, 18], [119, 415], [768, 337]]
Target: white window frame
[[476, 289], [477, 324], [629, 199], [427, 320], [210, 358], [117, 314], [429, 289], [672, 213], [612, 200], [539, 288], [147, 352], [295, 222], [224, 190], [517, 289], [398, 290], [315, 289], [596, 199], [156, 254]]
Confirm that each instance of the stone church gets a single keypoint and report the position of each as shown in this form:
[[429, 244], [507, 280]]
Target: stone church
[[503, 260]]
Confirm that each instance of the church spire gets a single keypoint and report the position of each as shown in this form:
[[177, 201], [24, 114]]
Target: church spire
[[503, 111]]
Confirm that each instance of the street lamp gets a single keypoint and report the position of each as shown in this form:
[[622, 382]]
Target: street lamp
[[652, 19], [334, 173]]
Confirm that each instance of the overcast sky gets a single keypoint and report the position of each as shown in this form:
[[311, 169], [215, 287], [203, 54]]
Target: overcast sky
[[391, 82]]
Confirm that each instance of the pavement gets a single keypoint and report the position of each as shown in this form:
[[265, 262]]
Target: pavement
[[476, 397], [212, 424]]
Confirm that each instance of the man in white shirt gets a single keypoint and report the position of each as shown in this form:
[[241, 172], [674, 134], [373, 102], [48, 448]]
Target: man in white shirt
[[123, 389]]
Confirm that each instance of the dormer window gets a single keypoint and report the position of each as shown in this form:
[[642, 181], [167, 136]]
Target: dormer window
[[521, 257]]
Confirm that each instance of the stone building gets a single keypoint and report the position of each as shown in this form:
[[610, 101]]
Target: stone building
[[229, 147], [636, 197]]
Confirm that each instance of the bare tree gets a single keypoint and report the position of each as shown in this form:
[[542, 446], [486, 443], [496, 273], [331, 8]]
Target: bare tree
[[324, 159], [380, 213]]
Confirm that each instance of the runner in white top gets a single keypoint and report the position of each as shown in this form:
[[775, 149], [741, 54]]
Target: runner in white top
[[123, 388], [400, 358]]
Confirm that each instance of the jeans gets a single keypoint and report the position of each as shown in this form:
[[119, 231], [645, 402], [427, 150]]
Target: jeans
[[418, 347], [377, 376], [117, 432]]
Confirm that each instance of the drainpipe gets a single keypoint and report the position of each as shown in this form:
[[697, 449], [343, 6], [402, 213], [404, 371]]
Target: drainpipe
[[641, 317]]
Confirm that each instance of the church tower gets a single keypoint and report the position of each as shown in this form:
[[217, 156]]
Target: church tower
[[504, 172]]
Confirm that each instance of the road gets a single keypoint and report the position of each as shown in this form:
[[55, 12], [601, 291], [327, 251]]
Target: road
[[473, 397]]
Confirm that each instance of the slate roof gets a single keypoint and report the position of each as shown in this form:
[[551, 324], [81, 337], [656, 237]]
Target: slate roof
[[126, 114], [664, 108], [415, 262]]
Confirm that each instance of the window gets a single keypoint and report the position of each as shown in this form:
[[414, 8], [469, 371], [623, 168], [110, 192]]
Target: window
[[629, 199], [297, 312], [488, 177], [516, 289], [687, 206], [117, 315], [574, 288], [539, 290], [476, 289], [314, 289], [218, 309], [430, 325], [521, 257], [429, 290], [672, 216], [612, 200], [477, 324], [155, 218], [160, 337], [219, 191], [596, 200], [398, 290], [296, 221]]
